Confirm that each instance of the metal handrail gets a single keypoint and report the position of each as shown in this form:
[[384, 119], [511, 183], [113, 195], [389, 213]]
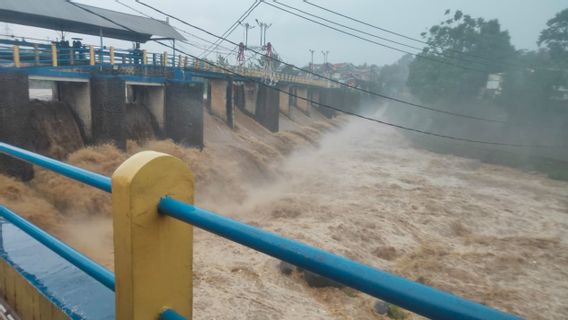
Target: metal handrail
[[76, 258], [413, 296], [88, 177]]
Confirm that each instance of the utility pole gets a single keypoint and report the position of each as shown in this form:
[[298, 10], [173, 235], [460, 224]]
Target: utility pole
[[266, 26], [312, 60], [263, 27], [247, 27], [326, 67]]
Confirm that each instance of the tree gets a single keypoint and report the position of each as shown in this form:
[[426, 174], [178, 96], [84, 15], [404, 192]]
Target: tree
[[470, 49], [555, 38], [222, 61]]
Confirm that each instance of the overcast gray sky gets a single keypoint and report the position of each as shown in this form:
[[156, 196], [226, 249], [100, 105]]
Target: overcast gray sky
[[292, 37]]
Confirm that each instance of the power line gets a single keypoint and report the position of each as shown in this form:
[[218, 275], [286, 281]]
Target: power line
[[331, 107], [442, 54], [324, 77], [394, 32], [235, 25], [375, 42]]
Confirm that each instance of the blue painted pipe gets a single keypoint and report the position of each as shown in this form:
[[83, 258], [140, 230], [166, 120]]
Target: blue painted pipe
[[413, 296], [88, 177], [169, 314], [90, 267]]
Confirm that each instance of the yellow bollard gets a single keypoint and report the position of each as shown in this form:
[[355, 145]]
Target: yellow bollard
[[144, 56], [53, 55], [16, 53], [92, 55], [152, 252], [165, 59], [185, 62], [111, 55]]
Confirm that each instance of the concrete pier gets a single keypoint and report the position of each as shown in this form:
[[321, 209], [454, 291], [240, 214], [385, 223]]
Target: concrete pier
[[184, 113], [15, 122], [108, 105], [303, 105], [285, 99], [267, 109]]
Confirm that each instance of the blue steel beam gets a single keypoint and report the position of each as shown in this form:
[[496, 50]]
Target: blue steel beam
[[413, 296], [82, 262], [88, 177]]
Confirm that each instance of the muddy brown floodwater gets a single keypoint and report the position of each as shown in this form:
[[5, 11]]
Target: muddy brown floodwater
[[489, 233]]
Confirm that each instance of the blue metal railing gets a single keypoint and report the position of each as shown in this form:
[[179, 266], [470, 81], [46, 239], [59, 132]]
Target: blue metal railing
[[82, 262], [413, 296]]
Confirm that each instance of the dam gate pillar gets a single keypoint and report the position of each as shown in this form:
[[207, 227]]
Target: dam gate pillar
[[184, 112], [221, 100], [267, 109], [15, 122], [108, 110]]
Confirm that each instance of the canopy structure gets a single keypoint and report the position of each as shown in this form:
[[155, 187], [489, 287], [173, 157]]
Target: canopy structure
[[61, 15]]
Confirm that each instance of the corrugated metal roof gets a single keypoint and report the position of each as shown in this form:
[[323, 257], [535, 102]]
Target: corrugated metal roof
[[62, 15]]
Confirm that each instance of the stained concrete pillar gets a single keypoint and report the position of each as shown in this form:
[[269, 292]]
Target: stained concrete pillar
[[14, 122], [108, 110], [267, 109], [331, 97], [184, 112], [239, 95], [314, 95], [221, 100], [77, 95], [303, 105], [251, 94], [284, 103]]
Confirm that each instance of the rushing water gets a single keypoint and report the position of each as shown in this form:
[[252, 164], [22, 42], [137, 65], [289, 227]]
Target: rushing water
[[489, 233]]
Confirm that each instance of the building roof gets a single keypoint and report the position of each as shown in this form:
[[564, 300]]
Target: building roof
[[62, 15]]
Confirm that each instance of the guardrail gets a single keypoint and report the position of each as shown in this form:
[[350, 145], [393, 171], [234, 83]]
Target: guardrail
[[152, 195], [24, 54]]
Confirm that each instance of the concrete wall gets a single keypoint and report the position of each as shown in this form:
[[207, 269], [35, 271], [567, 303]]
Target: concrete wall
[[26, 300], [251, 94], [303, 105], [331, 97], [108, 110], [184, 113], [221, 100], [15, 122], [267, 109], [314, 95], [284, 104], [78, 96]]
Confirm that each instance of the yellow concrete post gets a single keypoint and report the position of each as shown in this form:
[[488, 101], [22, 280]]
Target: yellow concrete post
[[92, 55], [144, 56], [179, 61], [165, 59], [53, 55], [185, 62], [152, 252], [111, 55], [16, 53]]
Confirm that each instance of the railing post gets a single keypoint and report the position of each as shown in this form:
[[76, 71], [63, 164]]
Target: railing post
[[111, 55], [53, 55], [152, 252], [185, 62], [36, 54], [165, 59], [144, 56], [92, 55], [16, 54]]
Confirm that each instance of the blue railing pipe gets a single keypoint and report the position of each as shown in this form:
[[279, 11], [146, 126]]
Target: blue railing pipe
[[170, 314], [82, 262], [88, 177], [413, 296]]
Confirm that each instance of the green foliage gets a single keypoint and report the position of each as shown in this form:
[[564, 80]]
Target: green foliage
[[391, 79], [478, 45], [222, 61], [555, 38]]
